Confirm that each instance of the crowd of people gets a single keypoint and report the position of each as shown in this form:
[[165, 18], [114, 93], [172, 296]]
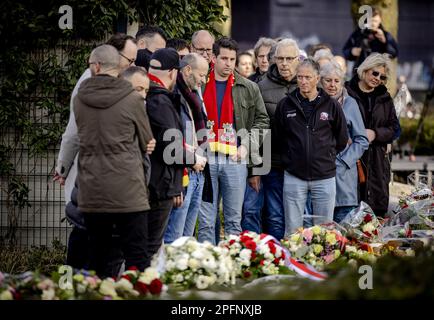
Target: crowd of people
[[162, 131]]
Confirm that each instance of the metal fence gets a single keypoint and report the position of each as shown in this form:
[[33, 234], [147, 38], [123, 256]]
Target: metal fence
[[41, 219]]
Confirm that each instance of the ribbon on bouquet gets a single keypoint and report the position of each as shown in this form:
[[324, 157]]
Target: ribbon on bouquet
[[303, 269]]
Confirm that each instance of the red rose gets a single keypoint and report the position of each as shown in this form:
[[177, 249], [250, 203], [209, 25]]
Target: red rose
[[127, 276], [366, 233], [250, 244], [247, 274], [231, 242], [253, 256], [364, 247], [133, 268], [367, 218], [272, 247], [262, 262], [155, 286], [244, 239], [375, 232], [141, 287], [276, 261]]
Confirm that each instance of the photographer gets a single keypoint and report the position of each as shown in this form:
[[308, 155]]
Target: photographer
[[363, 42]]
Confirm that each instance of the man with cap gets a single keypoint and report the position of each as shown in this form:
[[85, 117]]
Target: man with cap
[[169, 157]]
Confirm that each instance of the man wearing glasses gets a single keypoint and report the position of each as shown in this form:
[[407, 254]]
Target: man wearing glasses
[[201, 43], [278, 82]]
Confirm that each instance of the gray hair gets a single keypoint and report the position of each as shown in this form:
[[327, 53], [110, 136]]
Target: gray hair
[[322, 54], [309, 63], [374, 60], [196, 34], [107, 56], [192, 60], [131, 71], [286, 42], [331, 68], [263, 42]]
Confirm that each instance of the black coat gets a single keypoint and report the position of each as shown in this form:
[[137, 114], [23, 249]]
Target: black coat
[[309, 148], [369, 44], [163, 112], [378, 114]]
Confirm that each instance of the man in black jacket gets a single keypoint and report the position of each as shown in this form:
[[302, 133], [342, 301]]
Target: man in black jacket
[[165, 186], [311, 129]]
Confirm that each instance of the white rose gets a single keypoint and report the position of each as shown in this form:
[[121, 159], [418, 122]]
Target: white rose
[[198, 254], [124, 285], [178, 278], [246, 254], [182, 264], [193, 264], [369, 227]]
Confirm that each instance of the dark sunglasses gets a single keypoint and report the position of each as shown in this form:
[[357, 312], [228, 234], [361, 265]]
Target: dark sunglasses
[[376, 74]]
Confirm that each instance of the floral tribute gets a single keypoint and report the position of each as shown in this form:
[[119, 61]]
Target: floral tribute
[[256, 255], [316, 246], [191, 264], [83, 285]]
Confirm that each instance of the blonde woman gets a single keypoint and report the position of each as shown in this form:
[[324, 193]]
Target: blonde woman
[[382, 127]]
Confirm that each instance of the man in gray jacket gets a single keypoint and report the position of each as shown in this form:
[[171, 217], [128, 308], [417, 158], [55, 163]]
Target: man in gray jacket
[[111, 183], [267, 191]]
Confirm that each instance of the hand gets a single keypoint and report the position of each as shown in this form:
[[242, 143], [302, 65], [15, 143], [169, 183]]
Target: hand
[[356, 51], [255, 183], [58, 177], [371, 135], [349, 141], [200, 163], [178, 201], [380, 35], [150, 147], [241, 154]]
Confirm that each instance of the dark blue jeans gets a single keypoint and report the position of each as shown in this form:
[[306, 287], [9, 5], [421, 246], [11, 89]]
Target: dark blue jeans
[[252, 209], [341, 212], [273, 213]]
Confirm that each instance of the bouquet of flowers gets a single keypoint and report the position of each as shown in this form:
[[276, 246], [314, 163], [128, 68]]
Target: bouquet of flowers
[[256, 255], [317, 246], [80, 285], [362, 224], [190, 264]]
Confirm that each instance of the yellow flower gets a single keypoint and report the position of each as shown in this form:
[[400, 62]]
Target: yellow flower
[[337, 254], [295, 237], [78, 277], [317, 248], [6, 295], [331, 238], [316, 230]]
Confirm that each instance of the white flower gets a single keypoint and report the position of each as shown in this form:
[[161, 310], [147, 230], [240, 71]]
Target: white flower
[[192, 245], [148, 275], [178, 277], [123, 285], [369, 227], [49, 294], [198, 254], [263, 249], [170, 265], [202, 282], [182, 264], [193, 264], [107, 288], [209, 262], [6, 295], [246, 254], [81, 288]]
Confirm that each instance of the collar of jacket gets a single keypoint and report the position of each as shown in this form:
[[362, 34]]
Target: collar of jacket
[[381, 91], [274, 76], [322, 97]]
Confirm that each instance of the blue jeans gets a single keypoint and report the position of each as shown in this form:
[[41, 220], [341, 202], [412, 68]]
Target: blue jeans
[[228, 180], [182, 221], [308, 212], [295, 192], [341, 212], [273, 215], [252, 209]]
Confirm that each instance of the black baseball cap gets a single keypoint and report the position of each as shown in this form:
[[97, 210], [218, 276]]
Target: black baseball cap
[[166, 59]]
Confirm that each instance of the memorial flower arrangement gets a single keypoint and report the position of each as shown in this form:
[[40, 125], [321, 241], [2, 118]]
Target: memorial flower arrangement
[[362, 224], [191, 264], [316, 246], [256, 255]]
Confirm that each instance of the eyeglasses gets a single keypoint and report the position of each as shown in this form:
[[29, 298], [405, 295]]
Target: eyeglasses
[[283, 59], [376, 74], [131, 61], [202, 50]]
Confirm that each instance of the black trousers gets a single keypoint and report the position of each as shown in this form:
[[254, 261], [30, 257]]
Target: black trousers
[[131, 229], [158, 217]]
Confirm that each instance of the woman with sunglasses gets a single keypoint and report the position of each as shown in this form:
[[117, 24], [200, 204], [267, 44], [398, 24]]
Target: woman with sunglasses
[[382, 127]]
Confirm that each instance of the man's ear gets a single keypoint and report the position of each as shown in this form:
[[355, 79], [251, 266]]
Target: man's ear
[[213, 58]]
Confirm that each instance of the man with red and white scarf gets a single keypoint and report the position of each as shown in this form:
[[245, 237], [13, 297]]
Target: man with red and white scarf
[[234, 107]]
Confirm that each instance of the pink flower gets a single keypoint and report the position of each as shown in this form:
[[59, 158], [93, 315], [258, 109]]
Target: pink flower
[[329, 258], [307, 235]]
